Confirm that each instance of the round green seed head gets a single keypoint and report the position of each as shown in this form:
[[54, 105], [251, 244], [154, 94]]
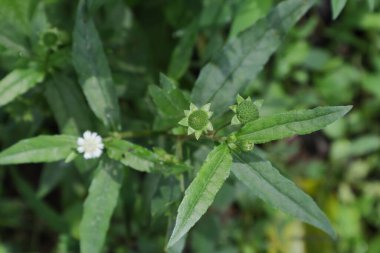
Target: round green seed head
[[198, 120], [247, 111]]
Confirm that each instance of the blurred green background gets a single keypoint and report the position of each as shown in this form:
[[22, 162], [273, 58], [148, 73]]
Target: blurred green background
[[322, 62]]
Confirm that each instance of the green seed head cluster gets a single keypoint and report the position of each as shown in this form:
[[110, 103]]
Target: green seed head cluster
[[247, 111], [198, 119]]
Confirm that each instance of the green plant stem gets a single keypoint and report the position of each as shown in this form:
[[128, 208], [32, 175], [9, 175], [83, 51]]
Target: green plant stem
[[179, 155], [149, 133]]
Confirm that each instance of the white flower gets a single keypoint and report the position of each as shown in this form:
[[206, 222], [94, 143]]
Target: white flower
[[91, 145]]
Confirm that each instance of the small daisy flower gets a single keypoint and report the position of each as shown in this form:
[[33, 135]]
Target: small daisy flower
[[245, 110], [197, 120], [91, 145]]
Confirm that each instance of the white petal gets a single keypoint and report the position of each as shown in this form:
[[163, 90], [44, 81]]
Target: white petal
[[97, 153], [87, 155], [80, 141], [100, 146], [80, 149], [98, 139], [87, 134], [94, 135]]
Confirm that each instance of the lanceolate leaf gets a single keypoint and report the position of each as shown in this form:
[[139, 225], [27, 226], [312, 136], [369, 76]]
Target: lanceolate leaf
[[180, 59], [132, 155], [91, 65], [266, 182], [337, 7], [68, 105], [291, 123], [44, 148], [17, 83], [249, 11], [201, 192], [238, 63], [99, 206]]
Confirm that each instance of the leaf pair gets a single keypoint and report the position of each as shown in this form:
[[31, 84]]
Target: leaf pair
[[259, 176], [255, 172]]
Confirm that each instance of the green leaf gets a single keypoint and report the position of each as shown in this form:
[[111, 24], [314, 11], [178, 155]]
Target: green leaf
[[45, 212], [170, 103], [12, 47], [51, 176], [202, 191], [68, 105], [243, 57], [91, 65], [371, 4], [14, 16], [180, 59], [14, 27], [44, 148], [248, 13], [267, 183], [132, 155], [17, 83], [291, 123], [337, 7], [93, 5], [216, 13], [99, 206]]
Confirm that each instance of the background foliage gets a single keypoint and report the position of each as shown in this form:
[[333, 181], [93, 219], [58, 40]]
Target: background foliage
[[322, 62]]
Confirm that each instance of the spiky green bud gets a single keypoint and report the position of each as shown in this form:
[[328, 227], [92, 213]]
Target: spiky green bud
[[245, 110], [197, 120]]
